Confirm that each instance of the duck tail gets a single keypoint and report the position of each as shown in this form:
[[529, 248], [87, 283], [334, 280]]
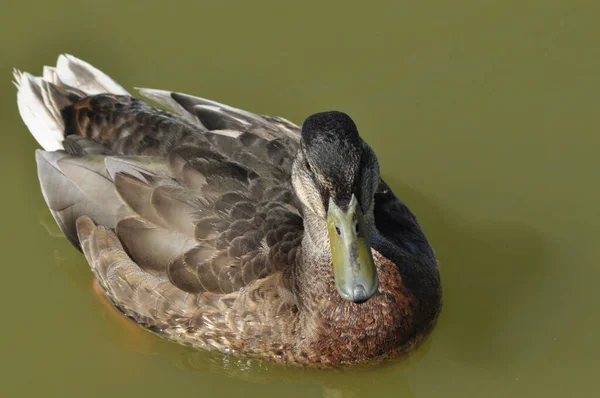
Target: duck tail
[[42, 99]]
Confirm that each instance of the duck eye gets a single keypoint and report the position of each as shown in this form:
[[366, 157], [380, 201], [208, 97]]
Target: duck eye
[[337, 230], [356, 227]]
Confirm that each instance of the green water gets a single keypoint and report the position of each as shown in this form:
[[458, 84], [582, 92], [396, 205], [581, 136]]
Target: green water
[[484, 115]]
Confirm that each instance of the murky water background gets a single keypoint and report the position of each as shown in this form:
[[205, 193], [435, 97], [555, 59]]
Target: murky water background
[[485, 118]]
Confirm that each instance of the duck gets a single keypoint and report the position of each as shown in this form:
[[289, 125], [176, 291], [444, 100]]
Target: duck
[[225, 230]]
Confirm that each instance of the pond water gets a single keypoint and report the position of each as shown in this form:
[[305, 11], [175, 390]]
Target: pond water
[[484, 115]]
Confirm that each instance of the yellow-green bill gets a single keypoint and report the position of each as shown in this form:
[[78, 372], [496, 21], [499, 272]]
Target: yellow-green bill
[[353, 266]]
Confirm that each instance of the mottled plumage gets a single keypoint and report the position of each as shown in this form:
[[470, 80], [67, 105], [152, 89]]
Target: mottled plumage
[[208, 225]]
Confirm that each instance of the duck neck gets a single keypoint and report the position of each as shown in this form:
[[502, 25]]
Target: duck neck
[[314, 267], [315, 243]]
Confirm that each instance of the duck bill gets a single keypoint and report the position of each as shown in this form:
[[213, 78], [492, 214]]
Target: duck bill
[[353, 266]]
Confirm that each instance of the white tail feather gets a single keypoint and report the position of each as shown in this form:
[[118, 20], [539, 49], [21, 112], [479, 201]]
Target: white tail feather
[[41, 99], [47, 130], [83, 76], [50, 75]]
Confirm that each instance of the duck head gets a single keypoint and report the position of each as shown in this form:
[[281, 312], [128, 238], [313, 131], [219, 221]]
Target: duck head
[[335, 175]]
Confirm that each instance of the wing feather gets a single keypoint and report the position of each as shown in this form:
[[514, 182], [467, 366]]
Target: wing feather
[[176, 215], [152, 248], [147, 298]]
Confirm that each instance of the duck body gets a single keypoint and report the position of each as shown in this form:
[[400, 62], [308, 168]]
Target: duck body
[[221, 229]]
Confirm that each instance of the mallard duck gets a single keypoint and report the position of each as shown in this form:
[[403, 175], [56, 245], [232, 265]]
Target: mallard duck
[[222, 229]]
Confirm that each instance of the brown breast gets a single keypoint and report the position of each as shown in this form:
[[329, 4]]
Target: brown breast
[[350, 332]]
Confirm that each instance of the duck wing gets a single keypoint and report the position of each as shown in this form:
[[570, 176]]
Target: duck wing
[[168, 209]]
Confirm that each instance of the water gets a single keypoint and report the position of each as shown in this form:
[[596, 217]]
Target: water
[[484, 118]]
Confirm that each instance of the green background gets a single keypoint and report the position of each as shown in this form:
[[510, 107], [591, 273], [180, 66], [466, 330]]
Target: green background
[[484, 115]]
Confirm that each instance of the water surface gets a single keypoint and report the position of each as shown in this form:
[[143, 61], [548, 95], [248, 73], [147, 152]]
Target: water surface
[[484, 116]]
